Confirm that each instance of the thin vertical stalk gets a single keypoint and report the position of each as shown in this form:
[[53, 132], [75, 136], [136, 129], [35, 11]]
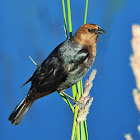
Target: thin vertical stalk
[[85, 19], [84, 132], [74, 123], [69, 18], [74, 90], [65, 19], [80, 88], [76, 128], [70, 33], [78, 131]]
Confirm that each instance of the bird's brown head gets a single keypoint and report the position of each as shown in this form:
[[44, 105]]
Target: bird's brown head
[[87, 34]]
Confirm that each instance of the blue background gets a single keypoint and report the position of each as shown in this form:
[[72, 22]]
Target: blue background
[[34, 28]]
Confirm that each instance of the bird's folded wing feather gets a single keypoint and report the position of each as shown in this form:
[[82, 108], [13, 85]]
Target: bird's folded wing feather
[[56, 67]]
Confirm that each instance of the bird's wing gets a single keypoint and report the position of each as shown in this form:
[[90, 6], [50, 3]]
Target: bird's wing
[[55, 69], [30, 79], [80, 56]]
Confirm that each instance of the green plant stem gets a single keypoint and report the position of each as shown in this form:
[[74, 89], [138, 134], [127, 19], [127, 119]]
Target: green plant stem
[[85, 19], [77, 131], [74, 91], [75, 124], [65, 20], [67, 101], [69, 18], [76, 128], [84, 132], [80, 88], [84, 135], [33, 61]]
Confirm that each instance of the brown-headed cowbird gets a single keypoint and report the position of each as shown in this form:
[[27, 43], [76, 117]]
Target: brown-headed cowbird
[[65, 66]]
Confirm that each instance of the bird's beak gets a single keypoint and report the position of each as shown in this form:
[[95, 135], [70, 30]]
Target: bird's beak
[[99, 31]]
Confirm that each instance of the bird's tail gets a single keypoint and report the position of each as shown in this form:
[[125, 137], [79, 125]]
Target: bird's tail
[[20, 111]]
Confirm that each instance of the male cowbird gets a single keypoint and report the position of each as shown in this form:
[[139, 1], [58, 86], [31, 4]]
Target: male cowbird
[[65, 66]]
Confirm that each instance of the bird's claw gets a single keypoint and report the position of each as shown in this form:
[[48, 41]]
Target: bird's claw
[[81, 105]]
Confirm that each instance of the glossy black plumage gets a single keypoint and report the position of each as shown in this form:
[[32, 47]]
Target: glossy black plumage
[[65, 66]]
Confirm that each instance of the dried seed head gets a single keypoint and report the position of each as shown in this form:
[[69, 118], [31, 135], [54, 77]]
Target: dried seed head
[[134, 59], [128, 137], [137, 98], [82, 113], [139, 128]]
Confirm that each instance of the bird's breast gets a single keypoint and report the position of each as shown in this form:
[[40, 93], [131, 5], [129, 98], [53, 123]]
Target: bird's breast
[[77, 74], [92, 51]]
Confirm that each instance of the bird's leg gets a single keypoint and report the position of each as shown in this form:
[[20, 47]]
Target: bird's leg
[[81, 105]]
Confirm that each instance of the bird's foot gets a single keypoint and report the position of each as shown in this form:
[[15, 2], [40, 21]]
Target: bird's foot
[[81, 105]]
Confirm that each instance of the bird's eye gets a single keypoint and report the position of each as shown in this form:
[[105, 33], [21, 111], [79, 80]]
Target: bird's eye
[[90, 30]]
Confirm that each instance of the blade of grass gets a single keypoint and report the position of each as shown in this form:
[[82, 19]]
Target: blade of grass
[[66, 31], [74, 90], [84, 132], [33, 61], [67, 101], [74, 122], [69, 18], [73, 87], [85, 19], [70, 33], [75, 125], [80, 88], [65, 20], [79, 84], [78, 131]]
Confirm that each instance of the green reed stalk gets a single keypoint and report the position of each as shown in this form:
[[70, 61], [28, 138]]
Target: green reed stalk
[[77, 91]]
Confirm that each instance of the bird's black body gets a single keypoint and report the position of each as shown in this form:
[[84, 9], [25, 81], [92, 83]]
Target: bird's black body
[[65, 66]]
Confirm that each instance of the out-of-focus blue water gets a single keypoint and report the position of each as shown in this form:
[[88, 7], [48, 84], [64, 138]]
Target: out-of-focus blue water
[[34, 28]]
